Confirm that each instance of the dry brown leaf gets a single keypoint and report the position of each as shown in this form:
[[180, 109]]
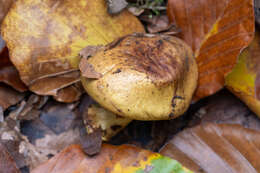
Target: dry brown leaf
[[8, 74], [7, 163], [216, 148], [217, 31], [45, 38], [4, 7], [70, 94], [112, 159], [9, 96]]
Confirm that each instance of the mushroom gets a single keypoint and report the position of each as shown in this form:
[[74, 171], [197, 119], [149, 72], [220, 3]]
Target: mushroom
[[142, 76]]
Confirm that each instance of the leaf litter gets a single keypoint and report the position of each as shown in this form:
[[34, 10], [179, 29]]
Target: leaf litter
[[35, 128]]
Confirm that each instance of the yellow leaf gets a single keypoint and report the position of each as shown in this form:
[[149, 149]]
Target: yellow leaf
[[242, 80], [45, 36]]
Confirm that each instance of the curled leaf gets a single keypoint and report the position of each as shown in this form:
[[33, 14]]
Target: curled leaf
[[217, 31], [144, 77], [243, 81], [45, 38]]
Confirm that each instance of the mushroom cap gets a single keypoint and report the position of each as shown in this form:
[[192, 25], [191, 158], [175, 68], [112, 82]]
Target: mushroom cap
[[142, 76]]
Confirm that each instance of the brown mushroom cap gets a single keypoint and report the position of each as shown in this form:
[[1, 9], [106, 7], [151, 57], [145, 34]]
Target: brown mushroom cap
[[142, 76]]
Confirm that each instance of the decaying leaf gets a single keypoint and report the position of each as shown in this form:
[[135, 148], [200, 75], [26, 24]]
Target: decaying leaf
[[216, 148], [243, 81], [45, 37], [112, 159], [144, 77], [7, 163], [217, 31], [9, 76]]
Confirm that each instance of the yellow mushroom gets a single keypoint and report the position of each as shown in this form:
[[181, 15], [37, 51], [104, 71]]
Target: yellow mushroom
[[142, 76]]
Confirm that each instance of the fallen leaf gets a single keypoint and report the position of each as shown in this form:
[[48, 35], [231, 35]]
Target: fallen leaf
[[70, 94], [45, 49], [144, 76], [8, 74], [7, 163], [217, 31], [225, 108], [9, 96], [123, 159], [243, 81], [4, 7], [216, 148]]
